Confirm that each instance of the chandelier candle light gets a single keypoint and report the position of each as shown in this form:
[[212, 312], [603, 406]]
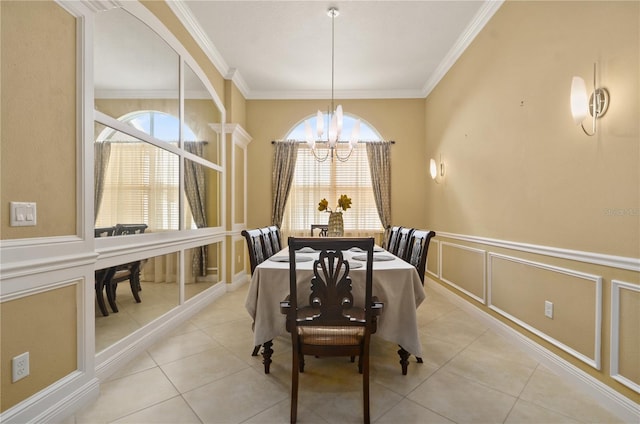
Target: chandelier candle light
[[335, 118]]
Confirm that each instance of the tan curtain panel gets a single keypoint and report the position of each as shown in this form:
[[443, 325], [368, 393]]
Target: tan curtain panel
[[379, 154], [101, 154], [284, 165], [195, 190]]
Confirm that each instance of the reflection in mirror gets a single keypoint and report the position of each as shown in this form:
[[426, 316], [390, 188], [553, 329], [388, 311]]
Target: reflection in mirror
[[204, 270], [134, 69], [199, 112], [135, 182], [202, 196], [158, 292]]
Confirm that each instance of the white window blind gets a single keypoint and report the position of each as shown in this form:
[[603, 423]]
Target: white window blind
[[141, 186], [315, 180]]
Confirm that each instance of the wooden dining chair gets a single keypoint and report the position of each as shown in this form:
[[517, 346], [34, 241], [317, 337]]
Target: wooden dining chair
[[418, 249], [267, 246], [276, 238], [401, 249], [255, 241], [333, 323], [392, 240], [254, 246]]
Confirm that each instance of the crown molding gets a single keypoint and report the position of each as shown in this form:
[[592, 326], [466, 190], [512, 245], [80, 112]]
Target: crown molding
[[481, 18]]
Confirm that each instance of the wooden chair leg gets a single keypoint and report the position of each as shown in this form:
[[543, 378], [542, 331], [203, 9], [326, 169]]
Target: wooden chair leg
[[111, 295], [419, 359], [100, 298], [256, 350], [134, 282], [266, 355], [295, 363], [404, 359], [365, 388]]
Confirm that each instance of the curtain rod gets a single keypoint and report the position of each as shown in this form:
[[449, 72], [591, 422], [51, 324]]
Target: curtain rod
[[321, 141]]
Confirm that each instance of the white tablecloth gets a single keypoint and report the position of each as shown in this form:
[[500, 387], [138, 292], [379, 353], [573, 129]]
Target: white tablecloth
[[395, 282]]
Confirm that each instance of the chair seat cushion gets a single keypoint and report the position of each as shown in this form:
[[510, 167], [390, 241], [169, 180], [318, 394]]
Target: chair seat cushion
[[333, 336]]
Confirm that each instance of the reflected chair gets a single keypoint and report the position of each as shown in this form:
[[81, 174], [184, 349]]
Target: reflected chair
[[334, 323], [126, 272], [101, 275]]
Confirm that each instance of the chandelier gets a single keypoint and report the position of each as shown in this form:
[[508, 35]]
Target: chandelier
[[323, 148]]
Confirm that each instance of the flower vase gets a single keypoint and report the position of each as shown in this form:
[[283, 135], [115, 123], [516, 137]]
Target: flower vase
[[336, 225]]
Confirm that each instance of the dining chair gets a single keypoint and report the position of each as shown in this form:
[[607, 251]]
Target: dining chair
[[404, 235], [267, 244], [324, 229], [418, 249], [392, 240], [334, 322], [254, 246], [255, 241], [276, 238]]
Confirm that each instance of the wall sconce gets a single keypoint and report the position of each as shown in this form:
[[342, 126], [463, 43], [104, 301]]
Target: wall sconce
[[582, 106], [436, 170]]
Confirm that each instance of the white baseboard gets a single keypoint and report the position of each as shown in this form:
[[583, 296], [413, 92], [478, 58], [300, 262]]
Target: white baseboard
[[625, 408], [53, 404]]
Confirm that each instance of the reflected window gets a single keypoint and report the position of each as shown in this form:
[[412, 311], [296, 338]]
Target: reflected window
[[140, 181], [160, 125]]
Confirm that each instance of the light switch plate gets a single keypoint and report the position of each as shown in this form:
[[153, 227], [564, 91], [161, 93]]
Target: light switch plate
[[23, 214]]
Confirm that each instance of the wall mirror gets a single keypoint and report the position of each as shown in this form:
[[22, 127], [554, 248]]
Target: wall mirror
[[138, 178]]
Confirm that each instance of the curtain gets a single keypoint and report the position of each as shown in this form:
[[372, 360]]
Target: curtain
[[284, 165], [195, 190], [101, 154], [380, 168]]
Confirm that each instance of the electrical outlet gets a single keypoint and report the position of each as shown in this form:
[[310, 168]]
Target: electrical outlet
[[548, 309], [20, 367]]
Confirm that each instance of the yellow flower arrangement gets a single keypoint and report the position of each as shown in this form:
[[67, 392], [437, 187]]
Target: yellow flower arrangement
[[344, 203]]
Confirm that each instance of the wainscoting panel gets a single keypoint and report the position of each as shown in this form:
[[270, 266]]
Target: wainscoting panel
[[463, 268], [519, 289], [433, 258], [625, 334]]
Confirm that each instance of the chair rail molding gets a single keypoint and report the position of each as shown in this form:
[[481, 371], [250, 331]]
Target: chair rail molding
[[613, 261]]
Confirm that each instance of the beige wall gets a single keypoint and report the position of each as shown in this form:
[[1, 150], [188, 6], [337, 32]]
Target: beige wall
[[45, 326], [519, 170], [517, 167], [398, 120], [38, 62]]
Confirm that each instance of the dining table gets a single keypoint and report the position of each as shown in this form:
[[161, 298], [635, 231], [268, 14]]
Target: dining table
[[396, 283]]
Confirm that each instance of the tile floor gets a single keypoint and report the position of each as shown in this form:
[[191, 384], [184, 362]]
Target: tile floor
[[204, 373]]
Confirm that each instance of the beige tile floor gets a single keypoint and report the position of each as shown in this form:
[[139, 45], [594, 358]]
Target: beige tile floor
[[204, 373]]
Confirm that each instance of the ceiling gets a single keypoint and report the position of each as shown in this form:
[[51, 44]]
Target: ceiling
[[383, 49]]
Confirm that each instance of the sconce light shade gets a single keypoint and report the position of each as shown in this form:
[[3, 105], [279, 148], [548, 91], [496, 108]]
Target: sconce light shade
[[436, 170], [433, 168], [579, 100], [583, 105]]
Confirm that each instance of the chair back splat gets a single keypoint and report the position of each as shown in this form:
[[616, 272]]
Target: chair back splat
[[336, 320]]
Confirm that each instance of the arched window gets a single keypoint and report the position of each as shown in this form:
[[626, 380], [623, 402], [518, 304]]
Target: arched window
[[314, 180], [141, 182]]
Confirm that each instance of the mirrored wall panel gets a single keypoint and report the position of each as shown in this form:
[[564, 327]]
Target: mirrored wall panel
[[202, 187], [135, 183], [135, 71], [131, 295], [202, 269], [200, 112]]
